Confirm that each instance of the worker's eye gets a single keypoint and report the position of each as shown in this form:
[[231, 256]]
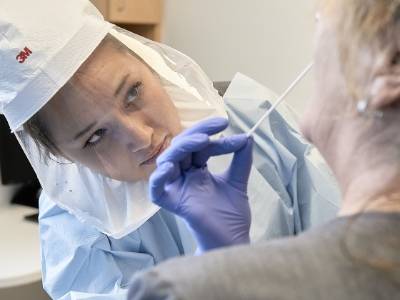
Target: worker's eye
[[95, 138], [133, 94]]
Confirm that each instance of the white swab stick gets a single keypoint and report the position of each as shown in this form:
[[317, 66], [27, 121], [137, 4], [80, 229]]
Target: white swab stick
[[281, 98]]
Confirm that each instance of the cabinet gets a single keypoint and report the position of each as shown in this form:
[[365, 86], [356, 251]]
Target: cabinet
[[143, 17]]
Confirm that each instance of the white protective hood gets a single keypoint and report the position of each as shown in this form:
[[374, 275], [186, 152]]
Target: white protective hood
[[51, 53]]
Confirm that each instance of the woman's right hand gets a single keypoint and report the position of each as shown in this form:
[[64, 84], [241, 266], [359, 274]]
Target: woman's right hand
[[215, 207]]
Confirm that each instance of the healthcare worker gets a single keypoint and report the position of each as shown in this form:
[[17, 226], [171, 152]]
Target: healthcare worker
[[354, 121], [93, 106]]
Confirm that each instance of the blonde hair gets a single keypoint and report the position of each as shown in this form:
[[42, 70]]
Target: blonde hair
[[361, 25]]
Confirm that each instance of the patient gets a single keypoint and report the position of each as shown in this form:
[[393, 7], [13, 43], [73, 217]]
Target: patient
[[354, 121]]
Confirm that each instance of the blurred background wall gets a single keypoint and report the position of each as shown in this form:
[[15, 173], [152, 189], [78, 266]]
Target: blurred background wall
[[268, 40]]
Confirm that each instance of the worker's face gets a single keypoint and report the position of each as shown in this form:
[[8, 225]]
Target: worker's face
[[113, 116]]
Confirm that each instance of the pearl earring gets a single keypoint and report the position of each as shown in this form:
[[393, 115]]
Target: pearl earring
[[362, 109]]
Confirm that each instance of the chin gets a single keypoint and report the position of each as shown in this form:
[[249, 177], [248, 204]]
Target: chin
[[305, 129], [142, 174], [148, 170]]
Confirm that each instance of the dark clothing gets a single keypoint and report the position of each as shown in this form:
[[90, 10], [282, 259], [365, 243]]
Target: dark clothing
[[349, 258]]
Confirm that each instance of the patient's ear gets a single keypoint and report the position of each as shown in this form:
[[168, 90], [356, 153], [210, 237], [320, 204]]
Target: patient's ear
[[385, 82]]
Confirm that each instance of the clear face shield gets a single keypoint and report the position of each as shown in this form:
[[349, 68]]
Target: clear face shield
[[94, 144]]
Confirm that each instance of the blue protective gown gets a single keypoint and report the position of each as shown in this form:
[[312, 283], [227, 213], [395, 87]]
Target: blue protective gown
[[289, 191], [79, 262]]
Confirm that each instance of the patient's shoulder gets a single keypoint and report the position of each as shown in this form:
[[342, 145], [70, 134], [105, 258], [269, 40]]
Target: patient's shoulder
[[314, 265]]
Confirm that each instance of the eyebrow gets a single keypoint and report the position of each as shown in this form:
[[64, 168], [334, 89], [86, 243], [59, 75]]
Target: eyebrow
[[90, 126], [121, 85], [84, 131]]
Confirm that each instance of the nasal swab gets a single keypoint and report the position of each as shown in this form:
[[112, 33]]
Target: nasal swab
[[281, 98]]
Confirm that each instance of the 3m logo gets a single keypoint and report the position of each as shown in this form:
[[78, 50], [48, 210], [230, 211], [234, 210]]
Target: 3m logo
[[23, 55]]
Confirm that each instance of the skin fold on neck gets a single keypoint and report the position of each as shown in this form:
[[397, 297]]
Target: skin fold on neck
[[377, 190]]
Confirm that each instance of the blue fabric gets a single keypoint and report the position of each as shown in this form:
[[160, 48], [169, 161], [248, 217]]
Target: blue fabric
[[287, 162], [79, 262]]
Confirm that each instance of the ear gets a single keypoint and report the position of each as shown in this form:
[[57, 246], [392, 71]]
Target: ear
[[385, 83]]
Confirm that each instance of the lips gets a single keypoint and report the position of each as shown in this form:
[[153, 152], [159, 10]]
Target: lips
[[151, 159]]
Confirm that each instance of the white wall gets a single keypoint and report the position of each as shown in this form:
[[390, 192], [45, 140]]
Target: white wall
[[269, 40]]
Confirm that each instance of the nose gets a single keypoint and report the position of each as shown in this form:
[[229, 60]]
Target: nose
[[135, 134]]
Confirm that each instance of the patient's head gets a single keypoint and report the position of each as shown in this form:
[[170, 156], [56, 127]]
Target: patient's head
[[357, 58], [113, 115]]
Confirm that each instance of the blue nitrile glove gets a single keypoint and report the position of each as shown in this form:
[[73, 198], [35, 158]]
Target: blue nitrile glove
[[215, 207]]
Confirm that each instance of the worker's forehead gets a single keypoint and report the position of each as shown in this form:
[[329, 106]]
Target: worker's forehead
[[108, 56], [99, 77]]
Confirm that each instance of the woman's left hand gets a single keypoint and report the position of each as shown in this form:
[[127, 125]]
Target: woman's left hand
[[215, 207]]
